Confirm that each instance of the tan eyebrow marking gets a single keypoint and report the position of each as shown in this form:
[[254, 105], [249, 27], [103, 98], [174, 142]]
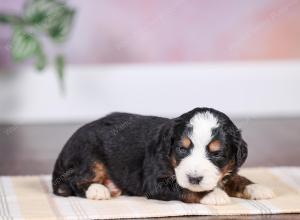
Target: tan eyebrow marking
[[214, 146], [186, 142]]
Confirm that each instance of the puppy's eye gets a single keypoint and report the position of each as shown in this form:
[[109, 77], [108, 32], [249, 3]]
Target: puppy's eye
[[182, 151], [184, 146]]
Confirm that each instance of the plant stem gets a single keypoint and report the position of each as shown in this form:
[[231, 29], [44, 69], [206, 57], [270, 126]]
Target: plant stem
[[11, 19]]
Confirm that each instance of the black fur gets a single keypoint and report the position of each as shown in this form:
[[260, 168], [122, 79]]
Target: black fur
[[137, 152]]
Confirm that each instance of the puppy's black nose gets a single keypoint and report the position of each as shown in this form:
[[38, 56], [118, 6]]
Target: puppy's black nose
[[195, 179]]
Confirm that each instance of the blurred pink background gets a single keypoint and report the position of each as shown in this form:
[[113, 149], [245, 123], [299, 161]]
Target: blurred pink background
[[115, 31]]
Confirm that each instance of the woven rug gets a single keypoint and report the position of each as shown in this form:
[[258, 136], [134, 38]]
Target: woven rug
[[30, 197]]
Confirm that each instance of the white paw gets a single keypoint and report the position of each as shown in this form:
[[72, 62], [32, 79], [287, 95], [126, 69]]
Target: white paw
[[216, 197], [97, 191], [257, 191]]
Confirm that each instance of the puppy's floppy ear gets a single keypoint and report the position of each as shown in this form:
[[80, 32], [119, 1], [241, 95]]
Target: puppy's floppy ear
[[168, 137], [241, 151], [158, 152], [171, 132]]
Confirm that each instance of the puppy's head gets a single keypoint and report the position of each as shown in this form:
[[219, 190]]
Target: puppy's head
[[206, 146]]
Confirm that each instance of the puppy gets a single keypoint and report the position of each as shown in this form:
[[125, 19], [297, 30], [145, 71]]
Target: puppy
[[193, 158]]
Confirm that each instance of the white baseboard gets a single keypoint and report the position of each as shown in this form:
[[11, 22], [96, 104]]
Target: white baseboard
[[247, 89]]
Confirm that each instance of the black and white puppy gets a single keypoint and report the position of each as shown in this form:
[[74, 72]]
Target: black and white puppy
[[193, 158]]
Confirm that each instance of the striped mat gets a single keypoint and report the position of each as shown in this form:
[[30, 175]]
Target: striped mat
[[30, 197]]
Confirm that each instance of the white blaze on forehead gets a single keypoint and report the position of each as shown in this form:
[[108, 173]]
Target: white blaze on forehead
[[197, 163], [202, 124]]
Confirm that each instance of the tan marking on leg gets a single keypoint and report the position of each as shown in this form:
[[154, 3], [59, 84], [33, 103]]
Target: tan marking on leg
[[114, 190], [100, 172], [101, 177], [235, 186]]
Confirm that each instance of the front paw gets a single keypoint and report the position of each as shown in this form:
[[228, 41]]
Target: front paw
[[257, 191], [216, 197]]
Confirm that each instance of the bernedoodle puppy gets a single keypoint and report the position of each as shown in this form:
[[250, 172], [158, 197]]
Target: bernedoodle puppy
[[193, 158]]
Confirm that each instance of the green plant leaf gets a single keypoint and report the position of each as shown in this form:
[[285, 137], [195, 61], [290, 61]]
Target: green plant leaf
[[60, 66], [41, 60], [10, 19], [50, 17], [36, 12], [53, 17], [23, 45], [60, 30]]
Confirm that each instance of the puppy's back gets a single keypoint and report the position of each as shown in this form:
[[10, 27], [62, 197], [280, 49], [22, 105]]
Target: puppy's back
[[117, 140]]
